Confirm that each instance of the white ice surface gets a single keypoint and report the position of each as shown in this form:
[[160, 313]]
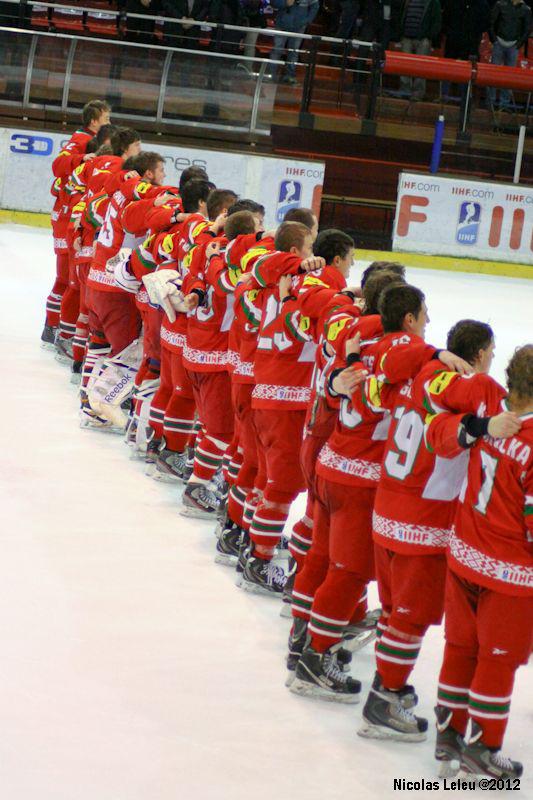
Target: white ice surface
[[131, 667]]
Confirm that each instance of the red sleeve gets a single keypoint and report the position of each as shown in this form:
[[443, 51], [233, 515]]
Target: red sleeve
[[464, 394], [442, 434], [71, 155], [268, 269], [405, 359]]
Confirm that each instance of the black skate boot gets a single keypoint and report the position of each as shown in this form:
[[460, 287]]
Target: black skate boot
[[63, 350], [153, 446], [170, 466], [357, 636], [478, 759], [448, 745], [319, 675], [48, 337], [75, 372], [298, 639], [286, 598], [220, 486], [386, 715], [228, 544], [244, 554], [263, 577], [199, 502]]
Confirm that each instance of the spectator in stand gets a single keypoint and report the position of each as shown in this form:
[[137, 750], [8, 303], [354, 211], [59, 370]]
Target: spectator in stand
[[463, 22], [420, 25], [185, 34], [255, 12], [142, 30], [293, 16], [509, 30]]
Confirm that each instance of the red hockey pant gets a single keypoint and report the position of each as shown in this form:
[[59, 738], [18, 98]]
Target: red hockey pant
[[53, 301], [302, 532], [212, 394], [81, 334], [280, 439], [488, 636], [115, 315], [173, 407], [340, 562], [411, 591]]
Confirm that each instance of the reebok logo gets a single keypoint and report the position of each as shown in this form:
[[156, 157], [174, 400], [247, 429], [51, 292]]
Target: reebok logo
[[401, 610], [497, 652]]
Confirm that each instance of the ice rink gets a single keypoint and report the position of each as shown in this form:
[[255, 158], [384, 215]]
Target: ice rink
[[131, 667]]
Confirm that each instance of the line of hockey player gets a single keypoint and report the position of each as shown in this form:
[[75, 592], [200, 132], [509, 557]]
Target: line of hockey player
[[240, 364]]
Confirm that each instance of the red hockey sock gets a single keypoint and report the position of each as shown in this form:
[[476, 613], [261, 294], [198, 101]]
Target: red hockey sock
[[53, 301], [178, 422], [250, 505], [208, 455], [236, 501], [301, 540], [307, 582], [490, 699], [396, 654], [267, 526], [361, 608], [81, 335], [333, 606], [458, 668], [70, 308]]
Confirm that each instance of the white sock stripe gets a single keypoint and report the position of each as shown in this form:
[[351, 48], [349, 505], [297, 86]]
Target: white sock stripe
[[320, 632], [462, 690], [303, 596], [402, 645], [489, 698], [300, 611], [392, 659], [488, 714], [218, 442], [270, 521], [301, 538], [342, 622], [450, 704], [188, 422], [294, 549]]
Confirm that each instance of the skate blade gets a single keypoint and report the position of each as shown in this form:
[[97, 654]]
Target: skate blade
[[196, 513], [358, 642], [135, 454], [253, 588], [75, 379], [449, 769], [286, 611], [289, 680], [88, 426], [61, 359], [165, 477], [305, 689], [369, 731], [226, 560], [48, 346]]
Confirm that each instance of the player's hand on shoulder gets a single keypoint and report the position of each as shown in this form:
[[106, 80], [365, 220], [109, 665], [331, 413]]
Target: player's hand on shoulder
[[89, 156], [504, 425], [353, 345], [455, 363], [313, 263], [284, 284], [213, 248]]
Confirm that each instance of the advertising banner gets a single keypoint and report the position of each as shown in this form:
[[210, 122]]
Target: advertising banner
[[465, 218], [279, 184]]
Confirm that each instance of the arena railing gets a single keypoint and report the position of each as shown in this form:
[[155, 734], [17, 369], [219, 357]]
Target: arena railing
[[203, 79]]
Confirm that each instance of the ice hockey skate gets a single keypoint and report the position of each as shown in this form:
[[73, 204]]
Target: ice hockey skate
[[75, 372], [48, 337], [387, 715], [63, 348], [448, 745], [228, 544], [298, 638], [199, 501], [478, 759], [170, 466], [319, 675], [263, 577], [89, 419], [358, 635], [286, 597]]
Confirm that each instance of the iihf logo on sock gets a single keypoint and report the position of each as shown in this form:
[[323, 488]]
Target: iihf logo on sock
[[468, 223], [290, 193]]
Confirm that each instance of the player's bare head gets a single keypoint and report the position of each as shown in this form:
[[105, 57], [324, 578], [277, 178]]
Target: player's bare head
[[402, 307], [239, 223], [92, 146], [473, 341], [336, 248], [306, 216], [219, 201], [190, 173], [126, 142], [519, 374], [294, 237], [376, 266], [105, 133], [374, 287], [256, 209], [105, 150], [95, 113], [194, 196], [150, 166]]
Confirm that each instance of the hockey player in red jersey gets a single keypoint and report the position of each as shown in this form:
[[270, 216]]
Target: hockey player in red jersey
[[95, 114], [413, 512], [340, 562], [489, 591]]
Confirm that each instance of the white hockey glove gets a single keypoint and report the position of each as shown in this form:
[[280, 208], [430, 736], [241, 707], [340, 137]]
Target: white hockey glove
[[163, 287], [123, 254], [124, 278]]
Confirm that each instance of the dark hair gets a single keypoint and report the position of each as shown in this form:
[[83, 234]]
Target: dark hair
[[331, 243], [218, 200], [147, 160], [190, 173], [396, 302], [306, 216], [122, 138], [130, 163], [375, 266], [93, 110], [374, 287], [92, 145], [467, 337], [519, 373], [105, 133], [239, 223], [105, 150], [192, 193], [246, 205], [291, 234]]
